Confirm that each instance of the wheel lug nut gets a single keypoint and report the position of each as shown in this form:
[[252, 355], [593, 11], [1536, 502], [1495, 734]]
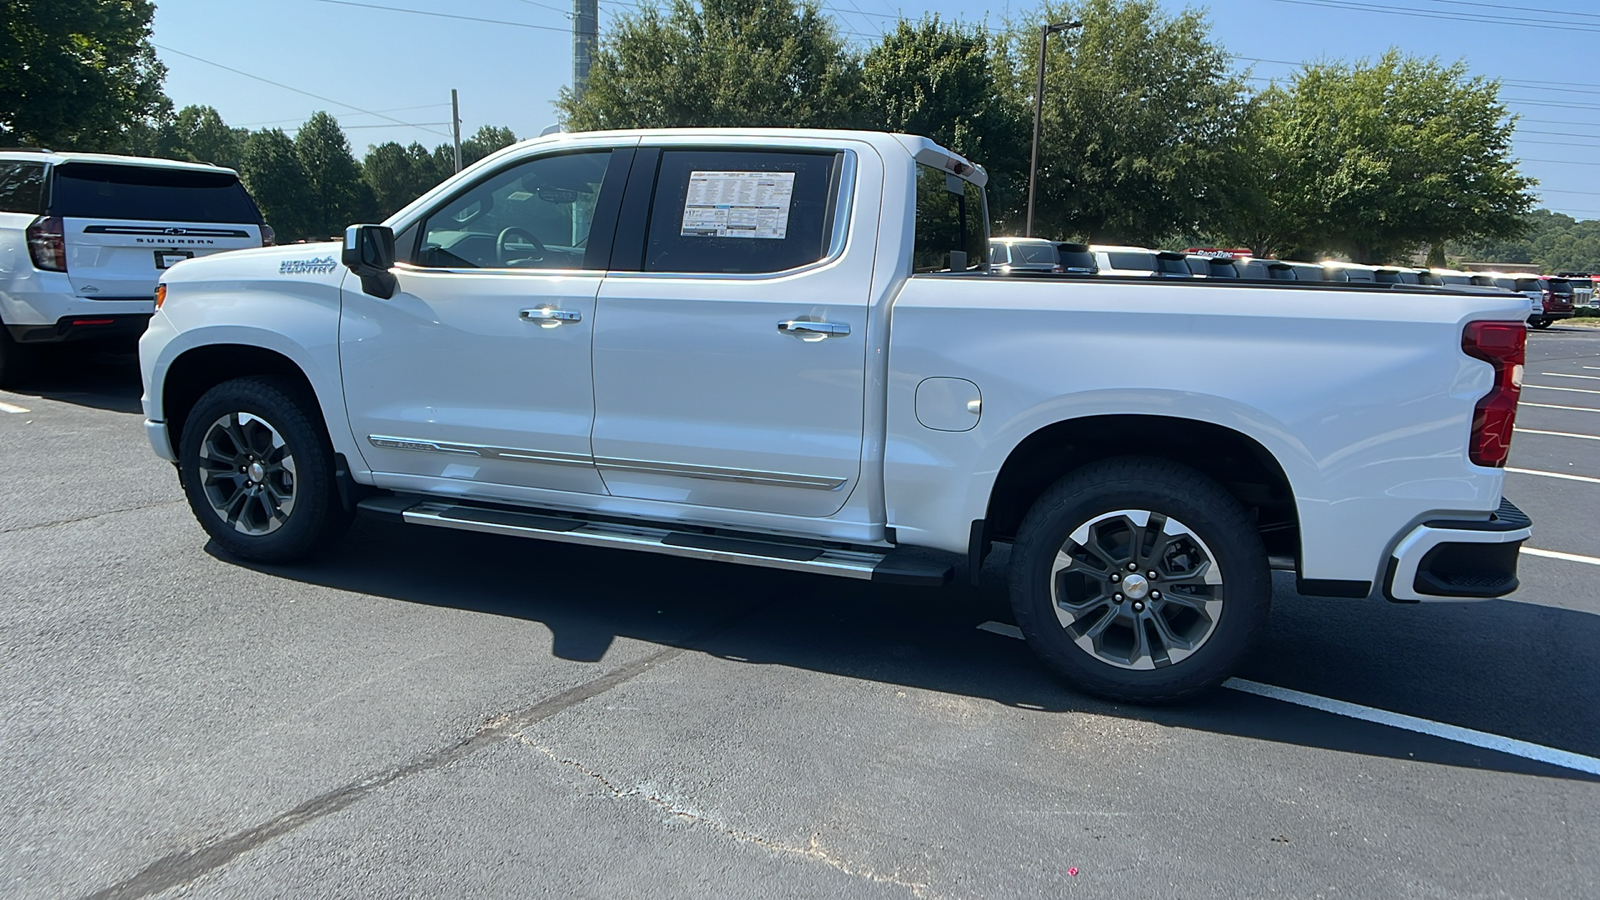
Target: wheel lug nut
[[1133, 567], [1138, 607], [1152, 574], [1116, 598], [1115, 578], [1155, 595]]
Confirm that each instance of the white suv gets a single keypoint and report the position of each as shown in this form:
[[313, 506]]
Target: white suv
[[85, 236]]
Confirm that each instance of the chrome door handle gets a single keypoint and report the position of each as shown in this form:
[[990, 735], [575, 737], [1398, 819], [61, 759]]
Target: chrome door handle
[[814, 329], [549, 318]]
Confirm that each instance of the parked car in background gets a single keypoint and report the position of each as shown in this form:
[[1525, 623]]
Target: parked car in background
[[1558, 301], [1275, 270], [1452, 277], [1211, 266], [85, 236], [1076, 259], [1527, 285], [1398, 275], [1338, 270], [1023, 254], [1582, 287], [1140, 262]]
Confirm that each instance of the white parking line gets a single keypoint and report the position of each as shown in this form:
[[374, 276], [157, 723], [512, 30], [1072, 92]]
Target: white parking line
[[1557, 554], [1546, 387], [8, 408], [1538, 752], [1565, 375], [1561, 475], [1586, 437], [1551, 406], [1483, 739]]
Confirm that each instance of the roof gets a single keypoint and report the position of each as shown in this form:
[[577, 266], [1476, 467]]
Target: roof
[[60, 157]]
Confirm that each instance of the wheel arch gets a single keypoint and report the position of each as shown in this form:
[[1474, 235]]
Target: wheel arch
[[1238, 462], [201, 368]]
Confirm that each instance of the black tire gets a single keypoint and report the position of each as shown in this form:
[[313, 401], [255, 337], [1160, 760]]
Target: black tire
[[1541, 321], [1216, 636], [16, 361], [243, 419]]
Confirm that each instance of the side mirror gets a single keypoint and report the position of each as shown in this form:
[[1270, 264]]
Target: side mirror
[[369, 253]]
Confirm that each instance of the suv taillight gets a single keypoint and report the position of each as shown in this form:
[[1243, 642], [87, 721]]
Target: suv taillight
[[269, 237], [47, 244], [1502, 345]]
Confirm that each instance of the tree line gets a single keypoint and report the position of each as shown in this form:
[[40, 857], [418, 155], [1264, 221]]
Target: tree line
[[1152, 133]]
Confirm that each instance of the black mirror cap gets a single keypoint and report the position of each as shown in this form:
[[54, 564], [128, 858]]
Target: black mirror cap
[[369, 253]]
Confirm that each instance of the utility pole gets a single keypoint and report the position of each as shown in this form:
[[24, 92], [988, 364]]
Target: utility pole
[[455, 129], [585, 30], [1038, 113]]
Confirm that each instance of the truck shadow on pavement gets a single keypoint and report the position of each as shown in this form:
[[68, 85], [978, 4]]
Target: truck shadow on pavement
[[1512, 669]]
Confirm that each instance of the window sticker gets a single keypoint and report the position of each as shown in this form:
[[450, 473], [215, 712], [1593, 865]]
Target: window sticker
[[738, 205]]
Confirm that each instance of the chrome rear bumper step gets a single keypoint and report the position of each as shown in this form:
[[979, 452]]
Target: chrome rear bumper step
[[886, 567]]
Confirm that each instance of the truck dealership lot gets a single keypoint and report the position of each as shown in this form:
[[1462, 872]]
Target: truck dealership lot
[[447, 713]]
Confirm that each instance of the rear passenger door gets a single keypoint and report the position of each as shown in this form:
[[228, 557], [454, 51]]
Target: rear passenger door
[[730, 333]]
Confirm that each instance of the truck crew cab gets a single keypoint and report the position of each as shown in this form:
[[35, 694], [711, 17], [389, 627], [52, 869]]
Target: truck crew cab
[[780, 348]]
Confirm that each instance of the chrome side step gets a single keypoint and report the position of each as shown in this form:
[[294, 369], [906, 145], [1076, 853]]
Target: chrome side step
[[886, 567]]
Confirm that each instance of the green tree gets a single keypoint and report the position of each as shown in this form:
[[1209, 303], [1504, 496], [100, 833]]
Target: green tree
[[200, 135], [1142, 119], [1376, 159], [338, 197], [486, 140], [1553, 241], [951, 83], [398, 175], [77, 74], [273, 173], [722, 62]]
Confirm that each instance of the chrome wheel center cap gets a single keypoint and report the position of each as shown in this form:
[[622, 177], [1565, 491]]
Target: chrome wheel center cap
[[1136, 587], [257, 472]]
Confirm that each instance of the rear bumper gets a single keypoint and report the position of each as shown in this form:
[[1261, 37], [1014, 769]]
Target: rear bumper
[[86, 327], [1451, 560]]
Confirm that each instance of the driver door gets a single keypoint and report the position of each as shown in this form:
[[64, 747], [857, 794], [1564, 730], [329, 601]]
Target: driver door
[[477, 370]]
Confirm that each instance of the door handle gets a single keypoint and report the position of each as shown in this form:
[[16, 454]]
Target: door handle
[[814, 331], [550, 318]]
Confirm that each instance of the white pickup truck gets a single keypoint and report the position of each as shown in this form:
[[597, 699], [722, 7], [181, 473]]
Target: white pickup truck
[[780, 348]]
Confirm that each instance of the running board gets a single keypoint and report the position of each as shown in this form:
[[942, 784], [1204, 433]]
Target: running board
[[885, 568]]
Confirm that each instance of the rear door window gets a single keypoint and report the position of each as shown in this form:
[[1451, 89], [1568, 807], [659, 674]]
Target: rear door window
[[742, 211], [151, 193], [952, 224], [22, 187]]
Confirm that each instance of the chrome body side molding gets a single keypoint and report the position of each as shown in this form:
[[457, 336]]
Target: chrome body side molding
[[481, 450]]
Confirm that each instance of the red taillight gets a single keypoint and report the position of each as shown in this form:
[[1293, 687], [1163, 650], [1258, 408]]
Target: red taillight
[[47, 244], [1502, 345], [268, 236]]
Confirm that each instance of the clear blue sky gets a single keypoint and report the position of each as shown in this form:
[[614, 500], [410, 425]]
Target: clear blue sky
[[402, 66]]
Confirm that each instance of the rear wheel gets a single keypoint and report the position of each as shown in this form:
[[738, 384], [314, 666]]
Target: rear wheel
[[1541, 321], [1140, 580], [259, 472]]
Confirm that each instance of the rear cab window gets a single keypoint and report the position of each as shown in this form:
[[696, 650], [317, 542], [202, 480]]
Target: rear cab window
[[1138, 262], [952, 224], [149, 193]]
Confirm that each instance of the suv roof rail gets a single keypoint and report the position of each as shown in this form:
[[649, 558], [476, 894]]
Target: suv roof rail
[[26, 150]]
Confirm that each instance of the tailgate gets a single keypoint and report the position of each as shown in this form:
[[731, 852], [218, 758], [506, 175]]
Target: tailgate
[[121, 259]]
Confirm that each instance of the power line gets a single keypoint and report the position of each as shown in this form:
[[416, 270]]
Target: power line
[[439, 15], [393, 109], [1560, 162], [1413, 12], [564, 12], [296, 90], [1557, 12]]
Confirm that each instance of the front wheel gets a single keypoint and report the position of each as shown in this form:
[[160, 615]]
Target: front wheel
[[259, 472], [1140, 580], [1541, 321]]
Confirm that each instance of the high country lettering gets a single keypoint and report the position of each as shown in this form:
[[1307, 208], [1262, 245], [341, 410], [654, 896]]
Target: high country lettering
[[315, 265]]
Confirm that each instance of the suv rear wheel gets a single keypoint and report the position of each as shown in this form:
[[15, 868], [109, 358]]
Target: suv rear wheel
[[1140, 580], [259, 471], [16, 361]]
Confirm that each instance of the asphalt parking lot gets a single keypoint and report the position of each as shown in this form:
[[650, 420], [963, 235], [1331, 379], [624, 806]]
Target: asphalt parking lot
[[432, 713]]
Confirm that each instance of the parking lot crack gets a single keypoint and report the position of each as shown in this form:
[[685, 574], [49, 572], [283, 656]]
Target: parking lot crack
[[675, 808], [184, 866], [89, 517]]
